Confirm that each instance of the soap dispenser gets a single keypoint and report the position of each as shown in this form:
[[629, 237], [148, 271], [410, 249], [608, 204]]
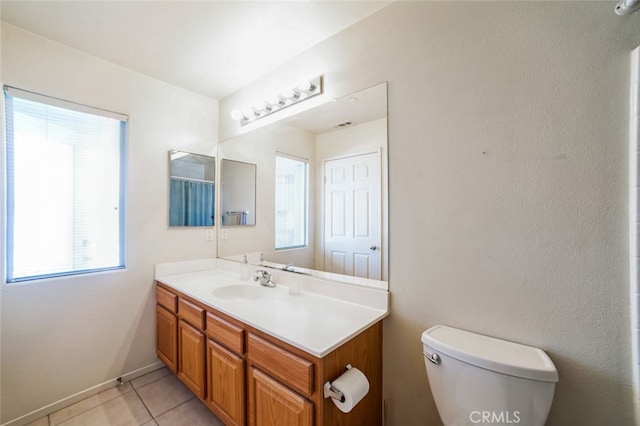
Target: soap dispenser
[[244, 272]]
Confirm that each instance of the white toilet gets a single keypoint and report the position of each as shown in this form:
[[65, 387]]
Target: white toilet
[[477, 379]]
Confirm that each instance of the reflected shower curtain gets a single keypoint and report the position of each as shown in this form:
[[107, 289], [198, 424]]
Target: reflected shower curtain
[[191, 203]]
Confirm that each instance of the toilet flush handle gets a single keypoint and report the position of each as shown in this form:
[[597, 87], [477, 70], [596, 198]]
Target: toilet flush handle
[[434, 358]]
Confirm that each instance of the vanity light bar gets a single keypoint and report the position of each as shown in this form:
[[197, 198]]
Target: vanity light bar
[[627, 7], [303, 90]]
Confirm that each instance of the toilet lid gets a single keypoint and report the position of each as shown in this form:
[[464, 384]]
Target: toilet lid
[[492, 354]]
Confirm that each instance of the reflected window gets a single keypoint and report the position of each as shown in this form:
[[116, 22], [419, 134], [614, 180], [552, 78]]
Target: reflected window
[[292, 183]]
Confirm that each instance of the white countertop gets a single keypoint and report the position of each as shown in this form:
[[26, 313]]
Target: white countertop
[[323, 316]]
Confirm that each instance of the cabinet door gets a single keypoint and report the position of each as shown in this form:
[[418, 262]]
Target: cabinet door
[[167, 337], [273, 404], [226, 383], [191, 359]]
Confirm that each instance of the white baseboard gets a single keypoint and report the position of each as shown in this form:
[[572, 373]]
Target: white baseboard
[[65, 402]]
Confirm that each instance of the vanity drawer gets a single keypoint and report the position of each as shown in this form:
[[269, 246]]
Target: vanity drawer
[[167, 299], [191, 313], [289, 368], [224, 332]]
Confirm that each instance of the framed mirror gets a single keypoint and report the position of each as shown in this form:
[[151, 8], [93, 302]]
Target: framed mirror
[[238, 193], [321, 191], [191, 189]]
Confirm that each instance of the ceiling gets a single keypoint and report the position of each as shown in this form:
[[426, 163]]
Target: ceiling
[[357, 108], [210, 47]]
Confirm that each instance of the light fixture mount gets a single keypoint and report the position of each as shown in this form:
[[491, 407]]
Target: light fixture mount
[[303, 90]]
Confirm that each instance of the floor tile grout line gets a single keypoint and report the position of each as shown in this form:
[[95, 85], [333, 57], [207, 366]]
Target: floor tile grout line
[[50, 421], [155, 418], [171, 409], [119, 395], [132, 388], [152, 381], [135, 389], [143, 403]]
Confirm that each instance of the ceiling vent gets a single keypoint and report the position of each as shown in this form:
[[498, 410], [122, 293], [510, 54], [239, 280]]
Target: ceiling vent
[[343, 124]]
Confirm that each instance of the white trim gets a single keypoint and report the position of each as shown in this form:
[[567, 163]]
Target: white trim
[[634, 226], [3, 224], [32, 96], [292, 157], [307, 201], [350, 154], [72, 399]]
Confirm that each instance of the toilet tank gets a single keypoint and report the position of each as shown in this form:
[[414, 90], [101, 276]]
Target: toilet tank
[[477, 379]]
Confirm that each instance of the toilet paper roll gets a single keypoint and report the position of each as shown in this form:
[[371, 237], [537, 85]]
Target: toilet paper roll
[[354, 385]]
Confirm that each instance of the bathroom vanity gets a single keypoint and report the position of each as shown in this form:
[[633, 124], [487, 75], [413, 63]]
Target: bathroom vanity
[[261, 356]]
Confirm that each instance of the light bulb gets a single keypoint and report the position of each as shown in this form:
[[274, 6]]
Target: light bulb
[[291, 94], [627, 7], [304, 84], [237, 115], [248, 113], [277, 101], [263, 106]]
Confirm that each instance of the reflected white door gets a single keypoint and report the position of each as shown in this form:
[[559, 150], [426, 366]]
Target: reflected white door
[[352, 216]]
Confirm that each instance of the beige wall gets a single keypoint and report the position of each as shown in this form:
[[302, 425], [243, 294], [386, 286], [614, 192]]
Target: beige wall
[[508, 185], [64, 336]]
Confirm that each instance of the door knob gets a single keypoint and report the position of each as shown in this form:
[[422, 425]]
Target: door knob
[[374, 247]]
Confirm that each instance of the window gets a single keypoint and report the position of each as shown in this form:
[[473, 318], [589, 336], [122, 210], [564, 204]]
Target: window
[[65, 187], [291, 201]]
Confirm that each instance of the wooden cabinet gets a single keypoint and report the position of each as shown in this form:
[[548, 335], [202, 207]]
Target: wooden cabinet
[[286, 383], [191, 358], [226, 369], [167, 328], [280, 384], [226, 383], [295, 371], [191, 313], [167, 337], [248, 377], [227, 334], [273, 404], [167, 299], [191, 346]]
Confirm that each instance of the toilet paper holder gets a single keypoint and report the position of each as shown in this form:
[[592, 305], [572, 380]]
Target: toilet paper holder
[[331, 392]]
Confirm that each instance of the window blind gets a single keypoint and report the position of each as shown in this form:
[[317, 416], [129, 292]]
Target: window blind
[[65, 187]]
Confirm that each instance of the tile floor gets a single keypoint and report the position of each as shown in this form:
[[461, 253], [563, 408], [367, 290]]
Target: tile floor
[[155, 399]]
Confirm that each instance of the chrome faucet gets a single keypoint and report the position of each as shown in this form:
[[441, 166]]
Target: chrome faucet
[[264, 278], [289, 268]]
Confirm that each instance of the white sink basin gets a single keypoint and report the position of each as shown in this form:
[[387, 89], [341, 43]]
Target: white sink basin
[[241, 291]]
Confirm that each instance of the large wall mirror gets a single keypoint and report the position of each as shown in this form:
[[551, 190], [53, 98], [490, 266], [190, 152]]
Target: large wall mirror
[[191, 189], [321, 191]]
